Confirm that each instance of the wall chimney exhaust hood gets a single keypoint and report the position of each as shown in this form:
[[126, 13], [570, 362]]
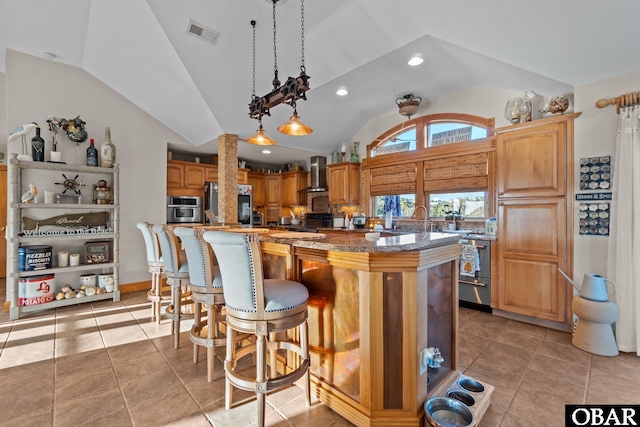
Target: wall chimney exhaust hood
[[318, 170]]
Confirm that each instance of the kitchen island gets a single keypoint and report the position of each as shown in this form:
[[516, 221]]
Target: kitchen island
[[375, 308]]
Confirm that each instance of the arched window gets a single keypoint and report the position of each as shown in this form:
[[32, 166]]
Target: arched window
[[431, 131], [416, 157]]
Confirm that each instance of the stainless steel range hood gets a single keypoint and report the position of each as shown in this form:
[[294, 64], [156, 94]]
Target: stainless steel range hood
[[318, 170]]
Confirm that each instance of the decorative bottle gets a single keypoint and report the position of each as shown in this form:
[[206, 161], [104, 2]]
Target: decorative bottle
[[107, 150], [92, 154], [37, 147]]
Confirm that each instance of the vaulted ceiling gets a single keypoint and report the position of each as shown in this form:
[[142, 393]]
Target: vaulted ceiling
[[141, 49]]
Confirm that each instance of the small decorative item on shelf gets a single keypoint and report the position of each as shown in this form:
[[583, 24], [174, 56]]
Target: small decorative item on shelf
[[524, 111], [71, 184], [97, 252], [37, 146], [102, 193], [30, 196], [75, 130], [558, 105], [54, 125], [511, 110], [354, 152], [92, 154], [107, 150]]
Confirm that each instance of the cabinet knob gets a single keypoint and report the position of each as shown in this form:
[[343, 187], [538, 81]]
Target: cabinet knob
[[501, 193], [500, 203]]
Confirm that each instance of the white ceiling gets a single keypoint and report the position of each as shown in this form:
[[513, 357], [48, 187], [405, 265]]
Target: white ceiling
[[140, 48]]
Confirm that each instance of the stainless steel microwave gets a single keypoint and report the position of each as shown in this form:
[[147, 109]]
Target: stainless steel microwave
[[184, 209]]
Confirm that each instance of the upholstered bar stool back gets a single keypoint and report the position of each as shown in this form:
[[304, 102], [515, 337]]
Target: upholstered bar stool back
[[206, 289], [157, 293], [176, 269], [262, 307]]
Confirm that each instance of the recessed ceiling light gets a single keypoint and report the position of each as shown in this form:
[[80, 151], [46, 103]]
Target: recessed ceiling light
[[266, 151], [416, 60], [342, 92]]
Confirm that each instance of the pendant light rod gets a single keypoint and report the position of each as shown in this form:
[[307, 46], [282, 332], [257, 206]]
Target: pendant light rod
[[293, 89]]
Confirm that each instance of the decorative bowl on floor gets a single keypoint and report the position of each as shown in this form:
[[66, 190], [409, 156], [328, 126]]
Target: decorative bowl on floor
[[447, 412]]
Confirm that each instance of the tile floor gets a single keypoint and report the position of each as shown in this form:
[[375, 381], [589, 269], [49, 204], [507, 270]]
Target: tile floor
[[108, 364]]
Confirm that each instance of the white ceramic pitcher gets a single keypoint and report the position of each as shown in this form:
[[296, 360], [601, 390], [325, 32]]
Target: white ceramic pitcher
[[594, 286]]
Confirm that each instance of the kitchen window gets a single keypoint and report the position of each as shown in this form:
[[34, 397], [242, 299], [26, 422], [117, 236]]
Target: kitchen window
[[399, 205], [469, 205]]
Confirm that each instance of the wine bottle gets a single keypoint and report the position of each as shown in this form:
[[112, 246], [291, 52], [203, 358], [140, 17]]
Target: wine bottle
[[37, 147], [92, 154], [107, 150]]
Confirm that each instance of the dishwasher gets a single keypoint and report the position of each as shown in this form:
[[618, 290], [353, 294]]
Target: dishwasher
[[475, 290]]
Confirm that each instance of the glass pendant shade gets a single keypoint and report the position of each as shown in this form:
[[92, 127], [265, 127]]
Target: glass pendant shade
[[294, 126], [261, 138]]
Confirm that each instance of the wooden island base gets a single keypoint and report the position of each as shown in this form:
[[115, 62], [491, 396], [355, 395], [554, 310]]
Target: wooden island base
[[371, 317]]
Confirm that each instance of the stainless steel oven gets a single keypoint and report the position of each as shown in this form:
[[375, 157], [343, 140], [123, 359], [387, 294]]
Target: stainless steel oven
[[476, 289], [184, 209]]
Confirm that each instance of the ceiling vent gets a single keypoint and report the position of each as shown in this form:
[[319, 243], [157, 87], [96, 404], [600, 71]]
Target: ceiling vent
[[202, 32]]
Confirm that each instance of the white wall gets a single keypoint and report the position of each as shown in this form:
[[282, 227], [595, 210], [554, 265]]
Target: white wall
[[595, 135], [4, 132], [37, 88]]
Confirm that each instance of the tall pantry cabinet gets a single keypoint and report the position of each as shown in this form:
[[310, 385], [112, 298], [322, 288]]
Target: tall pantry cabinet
[[535, 217]]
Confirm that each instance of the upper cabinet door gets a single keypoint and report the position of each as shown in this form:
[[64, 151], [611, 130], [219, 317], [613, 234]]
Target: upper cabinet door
[[175, 175], [194, 176], [272, 183], [532, 162]]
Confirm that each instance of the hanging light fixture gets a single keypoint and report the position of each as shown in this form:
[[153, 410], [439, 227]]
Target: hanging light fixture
[[294, 126], [408, 105], [288, 93], [261, 137]]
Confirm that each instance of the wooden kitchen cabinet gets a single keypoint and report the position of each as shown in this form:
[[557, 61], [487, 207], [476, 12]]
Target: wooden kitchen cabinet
[[175, 174], [256, 180], [272, 186], [534, 175], [188, 178], [533, 245], [292, 183], [194, 176], [533, 161], [344, 183]]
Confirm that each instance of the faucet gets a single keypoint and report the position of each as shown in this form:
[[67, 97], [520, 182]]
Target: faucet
[[426, 216]]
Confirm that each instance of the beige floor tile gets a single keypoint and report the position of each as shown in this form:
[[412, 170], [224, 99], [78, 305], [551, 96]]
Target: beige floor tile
[[119, 418], [91, 383], [70, 412], [492, 417], [503, 362], [511, 421], [596, 396], [239, 415], [318, 415], [151, 386], [560, 369], [515, 339], [122, 353], [78, 344], [480, 330], [537, 408], [556, 389], [34, 418], [140, 366], [558, 337], [32, 392], [470, 347], [67, 366], [164, 409], [565, 352], [526, 329]]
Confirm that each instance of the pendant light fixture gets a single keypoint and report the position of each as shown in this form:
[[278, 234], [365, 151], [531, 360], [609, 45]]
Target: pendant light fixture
[[291, 91], [260, 137]]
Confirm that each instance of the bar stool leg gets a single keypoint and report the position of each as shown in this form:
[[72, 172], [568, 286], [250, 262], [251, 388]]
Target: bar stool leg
[[228, 391], [196, 321], [175, 325], [272, 356], [261, 368], [211, 349], [304, 345]]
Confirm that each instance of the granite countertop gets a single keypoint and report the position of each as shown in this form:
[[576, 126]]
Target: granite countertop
[[357, 242]]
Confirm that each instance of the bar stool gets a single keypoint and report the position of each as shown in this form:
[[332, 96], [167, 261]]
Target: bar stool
[[176, 269], [206, 289], [262, 307], [156, 268]]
